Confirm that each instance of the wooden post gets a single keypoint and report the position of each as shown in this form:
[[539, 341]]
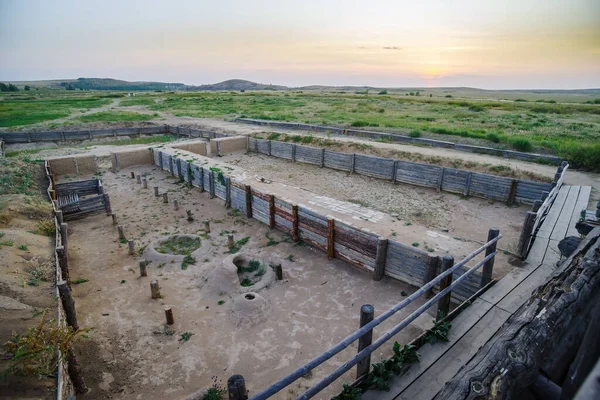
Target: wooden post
[[444, 303], [279, 272], [322, 158], [59, 216], [236, 388], [367, 312], [169, 315], [52, 182], [154, 289], [114, 219], [144, 183], [75, 372], [107, 206], [68, 304], [156, 191], [293, 153], [211, 184], [488, 267], [553, 185], [440, 180], [432, 266], [143, 271], [557, 176], [52, 194], [165, 197], [201, 171], [248, 192], [513, 193], [468, 184], [526, 233], [64, 234], [132, 174], [545, 196], [227, 192], [230, 242], [330, 237], [295, 222], [269, 146], [121, 233], [63, 264], [131, 247], [536, 206], [138, 180], [394, 171], [271, 211], [380, 259], [207, 226], [175, 205], [353, 167]]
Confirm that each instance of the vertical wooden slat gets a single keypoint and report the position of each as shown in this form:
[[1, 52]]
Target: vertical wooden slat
[[444, 303], [248, 192], [330, 237], [294, 222], [513, 193], [271, 211], [488, 267], [380, 259]]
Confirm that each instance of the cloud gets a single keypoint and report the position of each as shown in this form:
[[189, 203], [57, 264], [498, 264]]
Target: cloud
[[391, 48]]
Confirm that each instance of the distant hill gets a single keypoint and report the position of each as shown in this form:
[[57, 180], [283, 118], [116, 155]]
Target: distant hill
[[237, 84], [115, 84]]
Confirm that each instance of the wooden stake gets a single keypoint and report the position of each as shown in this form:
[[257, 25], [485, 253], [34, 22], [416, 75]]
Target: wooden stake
[[279, 272], [165, 197], [63, 264], [432, 266], [114, 219], [330, 243], [132, 174], [526, 233], [536, 205], [64, 234], [139, 180], [169, 316], [380, 259], [230, 242], [68, 304], [488, 267], [207, 226], [295, 237], [367, 312], [156, 191], [271, 211], [107, 204], [513, 193], [154, 289], [248, 192], [144, 183], [75, 372], [52, 194], [444, 302], [59, 216], [175, 205], [131, 247], [236, 388], [121, 233], [143, 271]]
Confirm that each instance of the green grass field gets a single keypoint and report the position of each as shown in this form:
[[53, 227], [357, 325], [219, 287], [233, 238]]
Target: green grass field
[[562, 123]]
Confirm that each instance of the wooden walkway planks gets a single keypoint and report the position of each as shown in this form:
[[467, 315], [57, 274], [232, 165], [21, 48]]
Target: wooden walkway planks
[[473, 328]]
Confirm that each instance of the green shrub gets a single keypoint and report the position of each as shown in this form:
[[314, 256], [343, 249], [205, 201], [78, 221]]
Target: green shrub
[[521, 144], [581, 155], [383, 92], [493, 137], [359, 124], [477, 108], [414, 134]]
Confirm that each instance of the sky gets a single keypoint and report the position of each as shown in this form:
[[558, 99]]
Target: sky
[[491, 44]]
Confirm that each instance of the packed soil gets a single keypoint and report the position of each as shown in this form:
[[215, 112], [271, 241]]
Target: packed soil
[[130, 354]]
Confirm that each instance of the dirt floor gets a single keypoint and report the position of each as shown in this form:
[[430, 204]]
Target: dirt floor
[[129, 353]]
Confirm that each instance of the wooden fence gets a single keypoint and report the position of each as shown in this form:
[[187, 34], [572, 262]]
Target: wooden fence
[[81, 199], [361, 248], [451, 180], [406, 139], [535, 217]]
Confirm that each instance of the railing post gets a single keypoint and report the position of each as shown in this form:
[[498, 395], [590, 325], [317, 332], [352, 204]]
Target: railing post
[[536, 205], [526, 233], [488, 267], [63, 264], [444, 303], [367, 313], [236, 388]]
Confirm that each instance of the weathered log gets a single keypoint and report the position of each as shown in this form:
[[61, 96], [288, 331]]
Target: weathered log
[[143, 264], [68, 304], [75, 373], [510, 361]]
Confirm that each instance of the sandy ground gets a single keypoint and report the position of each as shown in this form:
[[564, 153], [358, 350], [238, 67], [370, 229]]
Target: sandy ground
[[128, 356]]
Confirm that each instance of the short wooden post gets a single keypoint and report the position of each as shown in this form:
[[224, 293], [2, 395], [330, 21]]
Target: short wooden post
[[63, 264], [432, 267], [75, 373], [175, 205], [269, 147], [206, 226], [295, 237], [131, 247], [139, 180], [156, 191], [488, 267], [367, 312], [513, 193], [545, 196], [271, 211], [279, 272], [52, 194], [107, 206], [52, 182], [59, 217], [227, 192], [64, 234], [322, 158], [144, 183], [201, 172], [293, 153], [553, 185], [440, 181], [536, 206], [330, 237], [154, 289], [557, 176], [165, 197], [380, 259], [169, 315], [236, 388], [353, 166], [132, 174], [211, 184], [468, 184], [121, 232], [114, 219], [143, 264], [444, 303], [68, 304], [526, 233], [230, 242], [248, 192]]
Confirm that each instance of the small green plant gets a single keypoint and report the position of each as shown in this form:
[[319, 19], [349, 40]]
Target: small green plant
[[521, 144], [348, 393], [246, 282], [439, 332], [238, 245], [216, 391], [23, 247], [415, 244], [271, 241], [187, 261], [168, 330], [380, 376], [290, 258], [7, 242], [46, 227], [79, 281], [123, 281], [493, 137], [221, 302], [185, 336], [414, 134], [124, 241]]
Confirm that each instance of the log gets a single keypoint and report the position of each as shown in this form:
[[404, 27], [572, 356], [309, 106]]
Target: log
[[175, 205], [75, 372], [64, 234], [154, 289], [488, 267], [279, 272], [510, 361], [68, 304], [131, 245], [107, 206], [248, 192], [271, 211], [114, 219], [63, 264], [526, 232], [230, 241], [132, 174], [330, 238], [236, 388], [121, 233], [295, 222], [156, 191], [206, 226], [165, 197], [139, 180], [144, 183]]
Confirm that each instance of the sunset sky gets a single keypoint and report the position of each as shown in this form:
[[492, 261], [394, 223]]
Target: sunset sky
[[488, 44]]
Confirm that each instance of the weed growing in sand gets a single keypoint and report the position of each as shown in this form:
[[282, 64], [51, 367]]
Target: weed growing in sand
[[415, 244], [216, 392], [221, 302], [290, 258], [23, 247], [79, 281], [238, 245], [168, 330], [246, 282], [7, 242], [348, 393], [185, 336], [45, 227], [187, 261], [179, 245]]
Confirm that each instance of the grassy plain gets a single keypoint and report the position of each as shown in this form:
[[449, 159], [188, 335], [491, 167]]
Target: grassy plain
[[562, 123]]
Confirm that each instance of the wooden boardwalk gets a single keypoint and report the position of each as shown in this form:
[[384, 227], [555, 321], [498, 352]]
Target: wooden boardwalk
[[481, 320]]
